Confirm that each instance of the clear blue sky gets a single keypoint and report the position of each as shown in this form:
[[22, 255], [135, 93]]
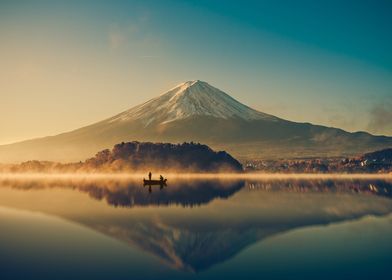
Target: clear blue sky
[[65, 64]]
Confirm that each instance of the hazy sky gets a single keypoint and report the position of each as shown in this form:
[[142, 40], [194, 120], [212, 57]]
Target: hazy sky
[[66, 64]]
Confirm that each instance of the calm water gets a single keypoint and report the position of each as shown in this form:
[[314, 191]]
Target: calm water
[[200, 229]]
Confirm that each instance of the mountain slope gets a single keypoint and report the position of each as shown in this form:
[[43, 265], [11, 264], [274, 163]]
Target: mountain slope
[[192, 98], [196, 111]]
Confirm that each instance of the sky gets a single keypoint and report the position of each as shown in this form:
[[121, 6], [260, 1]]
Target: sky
[[67, 64]]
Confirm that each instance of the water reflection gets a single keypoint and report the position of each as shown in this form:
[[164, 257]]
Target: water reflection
[[130, 193], [366, 187], [232, 214], [183, 193]]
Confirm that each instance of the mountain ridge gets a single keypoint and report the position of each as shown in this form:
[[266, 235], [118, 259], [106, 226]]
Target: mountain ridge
[[196, 111]]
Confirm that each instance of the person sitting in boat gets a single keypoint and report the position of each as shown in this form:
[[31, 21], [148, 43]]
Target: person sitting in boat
[[161, 178]]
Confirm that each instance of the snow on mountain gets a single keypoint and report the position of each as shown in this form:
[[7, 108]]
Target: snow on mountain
[[192, 98]]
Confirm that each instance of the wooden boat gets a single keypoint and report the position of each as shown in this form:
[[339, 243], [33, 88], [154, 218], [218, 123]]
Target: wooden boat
[[154, 182]]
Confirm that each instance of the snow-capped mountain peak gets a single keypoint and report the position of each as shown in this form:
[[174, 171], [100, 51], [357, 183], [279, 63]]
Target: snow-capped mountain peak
[[191, 98]]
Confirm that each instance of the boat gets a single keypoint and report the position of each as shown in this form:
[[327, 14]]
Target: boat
[[154, 182]]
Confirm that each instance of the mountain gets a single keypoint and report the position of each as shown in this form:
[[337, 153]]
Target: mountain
[[196, 111], [189, 99]]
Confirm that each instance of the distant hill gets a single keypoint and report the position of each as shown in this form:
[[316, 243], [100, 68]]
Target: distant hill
[[141, 156], [196, 111], [163, 156], [379, 157]]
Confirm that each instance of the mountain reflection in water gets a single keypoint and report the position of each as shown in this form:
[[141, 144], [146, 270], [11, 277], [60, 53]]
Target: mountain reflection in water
[[231, 215]]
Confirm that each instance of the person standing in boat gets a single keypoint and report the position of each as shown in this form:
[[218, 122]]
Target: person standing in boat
[[149, 175]]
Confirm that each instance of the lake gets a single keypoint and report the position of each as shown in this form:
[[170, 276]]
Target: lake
[[195, 228]]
